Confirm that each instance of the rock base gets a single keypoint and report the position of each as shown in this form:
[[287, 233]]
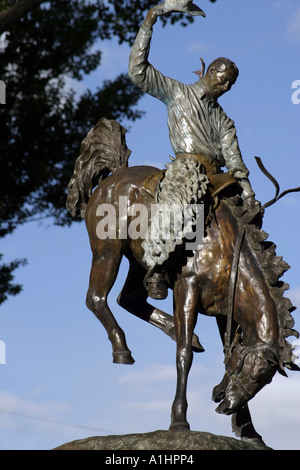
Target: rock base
[[162, 440]]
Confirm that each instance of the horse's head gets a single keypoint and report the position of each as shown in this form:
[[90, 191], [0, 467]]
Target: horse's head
[[250, 369]]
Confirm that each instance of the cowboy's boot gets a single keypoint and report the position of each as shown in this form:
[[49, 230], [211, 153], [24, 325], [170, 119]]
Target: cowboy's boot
[[157, 285]]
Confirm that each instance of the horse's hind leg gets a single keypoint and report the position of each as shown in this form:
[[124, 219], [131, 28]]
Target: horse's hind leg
[[103, 275], [133, 298]]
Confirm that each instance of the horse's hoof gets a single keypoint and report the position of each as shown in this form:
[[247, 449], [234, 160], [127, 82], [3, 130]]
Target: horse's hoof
[[123, 357], [196, 345], [258, 442], [179, 427]]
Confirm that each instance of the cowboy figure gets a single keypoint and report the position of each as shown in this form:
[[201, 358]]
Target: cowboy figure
[[202, 136]]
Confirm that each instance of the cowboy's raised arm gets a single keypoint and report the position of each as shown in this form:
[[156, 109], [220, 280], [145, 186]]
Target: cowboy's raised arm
[[141, 72]]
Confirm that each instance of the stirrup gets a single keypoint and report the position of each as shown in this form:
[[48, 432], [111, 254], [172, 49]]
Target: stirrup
[[156, 285]]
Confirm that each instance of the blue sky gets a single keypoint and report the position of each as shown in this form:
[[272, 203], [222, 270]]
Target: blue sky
[[59, 383]]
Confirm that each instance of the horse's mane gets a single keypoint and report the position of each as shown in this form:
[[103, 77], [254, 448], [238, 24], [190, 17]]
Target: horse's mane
[[273, 267], [102, 151]]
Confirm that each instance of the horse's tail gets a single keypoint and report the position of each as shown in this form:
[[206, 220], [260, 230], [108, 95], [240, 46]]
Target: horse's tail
[[102, 151]]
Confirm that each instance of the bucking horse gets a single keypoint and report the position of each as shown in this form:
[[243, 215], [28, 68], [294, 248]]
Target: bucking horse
[[234, 276]]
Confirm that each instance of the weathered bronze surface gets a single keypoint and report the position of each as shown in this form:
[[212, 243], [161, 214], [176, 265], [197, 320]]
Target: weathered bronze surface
[[234, 276], [162, 440]]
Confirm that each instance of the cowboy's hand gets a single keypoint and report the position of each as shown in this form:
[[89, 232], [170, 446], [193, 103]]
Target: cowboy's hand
[[152, 15], [251, 204]]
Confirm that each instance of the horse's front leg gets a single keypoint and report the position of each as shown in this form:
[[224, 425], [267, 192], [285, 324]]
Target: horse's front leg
[[186, 296], [243, 427]]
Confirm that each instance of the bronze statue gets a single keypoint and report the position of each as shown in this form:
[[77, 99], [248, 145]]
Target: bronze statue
[[234, 275]]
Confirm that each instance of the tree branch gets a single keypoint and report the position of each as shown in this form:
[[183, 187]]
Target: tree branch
[[16, 11]]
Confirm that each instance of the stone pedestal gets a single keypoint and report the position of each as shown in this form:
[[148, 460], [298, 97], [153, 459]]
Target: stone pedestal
[[162, 440]]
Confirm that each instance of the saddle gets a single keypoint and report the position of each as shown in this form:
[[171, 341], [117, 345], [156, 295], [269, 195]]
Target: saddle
[[152, 182], [218, 180], [221, 181]]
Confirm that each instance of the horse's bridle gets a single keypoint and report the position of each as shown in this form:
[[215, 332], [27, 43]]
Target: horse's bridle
[[229, 345], [234, 373]]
